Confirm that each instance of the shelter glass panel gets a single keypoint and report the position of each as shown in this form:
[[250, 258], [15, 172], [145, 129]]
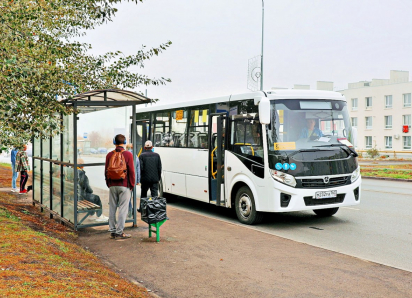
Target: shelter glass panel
[[96, 130], [46, 183], [68, 144], [56, 148], [36, 149], [46, 148], [93, 196], [36, 179], [56, 188], [68, 193]]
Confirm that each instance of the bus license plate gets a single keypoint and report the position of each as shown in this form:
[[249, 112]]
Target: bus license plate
[[326, 194]]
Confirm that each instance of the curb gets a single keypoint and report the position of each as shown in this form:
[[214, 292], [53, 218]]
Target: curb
[[384, 178]]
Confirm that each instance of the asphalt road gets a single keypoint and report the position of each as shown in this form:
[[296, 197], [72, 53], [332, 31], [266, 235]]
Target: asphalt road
[[378, 230]]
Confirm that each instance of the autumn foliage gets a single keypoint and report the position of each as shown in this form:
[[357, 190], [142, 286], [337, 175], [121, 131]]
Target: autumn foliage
[[41, 61]]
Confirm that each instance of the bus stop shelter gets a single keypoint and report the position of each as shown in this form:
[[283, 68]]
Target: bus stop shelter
[[68, 169]]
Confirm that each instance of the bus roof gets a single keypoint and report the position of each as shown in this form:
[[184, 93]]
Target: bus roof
[[271, 94], [304, 94]]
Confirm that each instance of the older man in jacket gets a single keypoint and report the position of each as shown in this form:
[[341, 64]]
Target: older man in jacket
[[151, 170]]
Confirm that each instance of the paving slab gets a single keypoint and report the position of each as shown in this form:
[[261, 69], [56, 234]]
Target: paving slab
[[199, 256]]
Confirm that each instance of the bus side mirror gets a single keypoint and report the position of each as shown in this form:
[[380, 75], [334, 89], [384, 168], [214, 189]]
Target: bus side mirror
[[354, 137], [264, 110]]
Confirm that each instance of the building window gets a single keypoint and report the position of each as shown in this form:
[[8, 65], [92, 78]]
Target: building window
[[407, 142], [355, 104], [406, 100], [368, 121], [368, 142], [388, 101], [388, 142], [354, 121], [368, 102], [406, 120], [388, 121]]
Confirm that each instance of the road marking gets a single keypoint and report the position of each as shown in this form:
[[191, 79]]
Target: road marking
[[396, 193], [351, 208]]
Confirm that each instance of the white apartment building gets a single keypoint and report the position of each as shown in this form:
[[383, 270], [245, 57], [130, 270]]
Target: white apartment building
[[381, 110]]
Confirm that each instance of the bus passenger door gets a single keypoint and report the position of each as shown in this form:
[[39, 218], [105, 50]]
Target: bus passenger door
[[142, 135], [217, 142]]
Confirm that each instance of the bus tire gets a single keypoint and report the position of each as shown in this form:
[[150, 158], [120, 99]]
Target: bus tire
[[326, 212], [245, 207]]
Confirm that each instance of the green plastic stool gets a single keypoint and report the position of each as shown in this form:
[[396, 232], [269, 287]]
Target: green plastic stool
[[157, 231]]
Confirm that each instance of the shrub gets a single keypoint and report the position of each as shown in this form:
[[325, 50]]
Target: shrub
[[373, 152]]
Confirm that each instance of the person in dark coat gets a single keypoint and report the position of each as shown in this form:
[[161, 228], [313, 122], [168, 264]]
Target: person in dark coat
[[151, 170], [86, 192]]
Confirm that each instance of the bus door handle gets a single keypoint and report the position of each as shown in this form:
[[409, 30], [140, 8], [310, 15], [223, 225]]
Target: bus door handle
[[229, 168]]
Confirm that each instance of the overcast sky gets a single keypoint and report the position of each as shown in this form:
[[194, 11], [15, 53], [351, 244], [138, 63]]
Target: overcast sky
[[305, 41]]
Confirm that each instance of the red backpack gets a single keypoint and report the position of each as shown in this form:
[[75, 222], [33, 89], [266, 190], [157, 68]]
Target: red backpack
[[117, 169]]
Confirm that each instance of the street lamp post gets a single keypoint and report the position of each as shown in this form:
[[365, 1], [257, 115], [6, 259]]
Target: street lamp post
[[261, 55]]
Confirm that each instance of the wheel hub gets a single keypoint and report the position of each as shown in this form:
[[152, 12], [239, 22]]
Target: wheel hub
[[245, 205]]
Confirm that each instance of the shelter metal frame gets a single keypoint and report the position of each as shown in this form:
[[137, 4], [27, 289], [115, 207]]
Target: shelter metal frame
[[87, 102]]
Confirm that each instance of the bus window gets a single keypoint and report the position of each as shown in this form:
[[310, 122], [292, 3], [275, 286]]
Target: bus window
[[198, 128], [178, 128], [161, 129]]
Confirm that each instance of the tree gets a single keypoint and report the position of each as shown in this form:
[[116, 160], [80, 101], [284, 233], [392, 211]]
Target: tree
[[40, 61]]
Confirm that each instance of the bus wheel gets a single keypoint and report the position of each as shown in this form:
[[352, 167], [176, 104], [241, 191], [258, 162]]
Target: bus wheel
[[326, 212], [245, 207]]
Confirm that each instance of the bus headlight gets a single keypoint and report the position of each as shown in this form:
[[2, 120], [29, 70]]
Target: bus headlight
[[355, 175], [283, 177]]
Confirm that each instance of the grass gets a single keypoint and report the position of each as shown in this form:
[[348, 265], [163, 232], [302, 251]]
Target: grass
[[386, 173], [39, 257], [390, 167]]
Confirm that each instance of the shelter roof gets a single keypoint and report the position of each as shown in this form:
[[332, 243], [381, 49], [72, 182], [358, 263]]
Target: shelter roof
[[95, 100]]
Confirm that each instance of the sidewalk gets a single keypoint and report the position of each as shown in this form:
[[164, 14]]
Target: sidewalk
[[204, 257]]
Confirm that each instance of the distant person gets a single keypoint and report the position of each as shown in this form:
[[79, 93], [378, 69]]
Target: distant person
[[120, 179], [310, 131], [151, 170], [129, 147], [13, 168], [22, 166]]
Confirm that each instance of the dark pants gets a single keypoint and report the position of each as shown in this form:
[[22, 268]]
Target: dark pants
[[23, 179], [154, 189]]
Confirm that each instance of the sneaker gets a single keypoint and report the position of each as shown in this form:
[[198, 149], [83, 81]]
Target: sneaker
[[14, 190], [29, 188], [123, 236], [112, 235], [23, 192]]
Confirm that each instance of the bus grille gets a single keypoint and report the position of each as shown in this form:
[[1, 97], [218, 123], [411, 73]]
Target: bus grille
[[318, 183], [310, 201]]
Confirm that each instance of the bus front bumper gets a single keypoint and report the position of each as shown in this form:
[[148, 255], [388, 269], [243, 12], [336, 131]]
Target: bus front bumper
[[288, 199]]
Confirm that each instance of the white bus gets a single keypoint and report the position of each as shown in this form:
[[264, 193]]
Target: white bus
[[275, 151]]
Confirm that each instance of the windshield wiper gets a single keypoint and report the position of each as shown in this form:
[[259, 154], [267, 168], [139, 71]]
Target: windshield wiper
[[346, 148]]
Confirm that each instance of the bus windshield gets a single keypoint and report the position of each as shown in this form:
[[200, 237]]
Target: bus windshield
[[298, 124]]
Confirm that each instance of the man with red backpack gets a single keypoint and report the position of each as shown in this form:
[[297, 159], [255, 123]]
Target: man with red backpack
[[120, 179]]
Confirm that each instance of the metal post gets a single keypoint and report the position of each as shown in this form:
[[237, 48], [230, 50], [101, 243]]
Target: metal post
[[134, 151], [75, 164], [41, 174], [33, 152], [61, 171], [261, 55], [51, 175]]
